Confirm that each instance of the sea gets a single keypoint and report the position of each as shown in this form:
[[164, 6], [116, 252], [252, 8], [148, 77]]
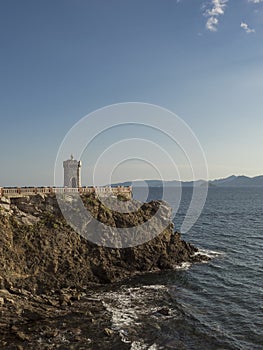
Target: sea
[[217, 305]]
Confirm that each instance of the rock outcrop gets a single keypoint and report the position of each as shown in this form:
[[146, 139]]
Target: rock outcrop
[[39, 251], [48, 272]]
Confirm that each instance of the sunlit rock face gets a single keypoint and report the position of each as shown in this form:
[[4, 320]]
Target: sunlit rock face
[[40, 251]]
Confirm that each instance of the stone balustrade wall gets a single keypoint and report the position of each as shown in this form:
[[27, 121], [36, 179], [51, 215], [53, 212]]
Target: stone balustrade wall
[[30, 191]]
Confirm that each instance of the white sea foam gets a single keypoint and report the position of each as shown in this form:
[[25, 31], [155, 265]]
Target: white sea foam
[[209, 253], [155, 287], [128, 306], [183, 266], [136, 345]]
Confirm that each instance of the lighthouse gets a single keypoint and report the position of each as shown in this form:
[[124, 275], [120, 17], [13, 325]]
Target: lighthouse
[[72, 173]]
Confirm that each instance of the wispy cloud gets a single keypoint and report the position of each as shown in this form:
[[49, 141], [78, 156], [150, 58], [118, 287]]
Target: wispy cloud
[[255, 1], [246, 28], [216, 9], [211, 24]]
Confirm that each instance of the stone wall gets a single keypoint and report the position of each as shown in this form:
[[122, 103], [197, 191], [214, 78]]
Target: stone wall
[[31, 191]]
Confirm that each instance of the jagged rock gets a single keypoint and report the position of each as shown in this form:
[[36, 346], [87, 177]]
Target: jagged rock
[[109, 332], [22, 336], [5, 200], [2, 283], [45, 267], [5, 203], [165, 311], [39, 251], [65, 299], [31, 315]]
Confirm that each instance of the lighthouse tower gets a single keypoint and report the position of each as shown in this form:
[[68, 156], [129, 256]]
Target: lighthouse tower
[[72, 173]]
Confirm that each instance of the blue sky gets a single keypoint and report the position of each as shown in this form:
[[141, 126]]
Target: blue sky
[[61, 60]]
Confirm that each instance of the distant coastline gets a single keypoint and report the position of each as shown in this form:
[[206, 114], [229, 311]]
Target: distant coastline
[[231, 181]]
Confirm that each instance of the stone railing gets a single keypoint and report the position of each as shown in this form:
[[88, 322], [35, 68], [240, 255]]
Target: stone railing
[[30, 191]]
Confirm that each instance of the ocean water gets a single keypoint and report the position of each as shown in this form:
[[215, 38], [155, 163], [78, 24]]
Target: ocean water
[[215, 305]]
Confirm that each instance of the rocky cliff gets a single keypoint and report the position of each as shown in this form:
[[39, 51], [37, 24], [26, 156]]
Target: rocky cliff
[[49, 273], [39, 251]]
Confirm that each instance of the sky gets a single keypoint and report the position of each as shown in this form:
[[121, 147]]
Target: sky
[[61, 60]]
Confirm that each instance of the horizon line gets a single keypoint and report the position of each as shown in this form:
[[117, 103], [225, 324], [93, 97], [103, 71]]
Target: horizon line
[[137, 180]]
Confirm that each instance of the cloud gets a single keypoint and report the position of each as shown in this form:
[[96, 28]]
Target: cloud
[[211, 24], [246, 27], [216, 9]]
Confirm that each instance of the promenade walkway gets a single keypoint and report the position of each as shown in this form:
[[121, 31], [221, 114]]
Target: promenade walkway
[[12, 192]]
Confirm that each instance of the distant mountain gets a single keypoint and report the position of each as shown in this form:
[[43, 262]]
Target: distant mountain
[[239, 181], [159, 183], [231, 181], [223, 181]]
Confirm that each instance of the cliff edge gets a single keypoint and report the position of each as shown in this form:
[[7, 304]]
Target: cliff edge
[[49, 274], [39, 251]]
